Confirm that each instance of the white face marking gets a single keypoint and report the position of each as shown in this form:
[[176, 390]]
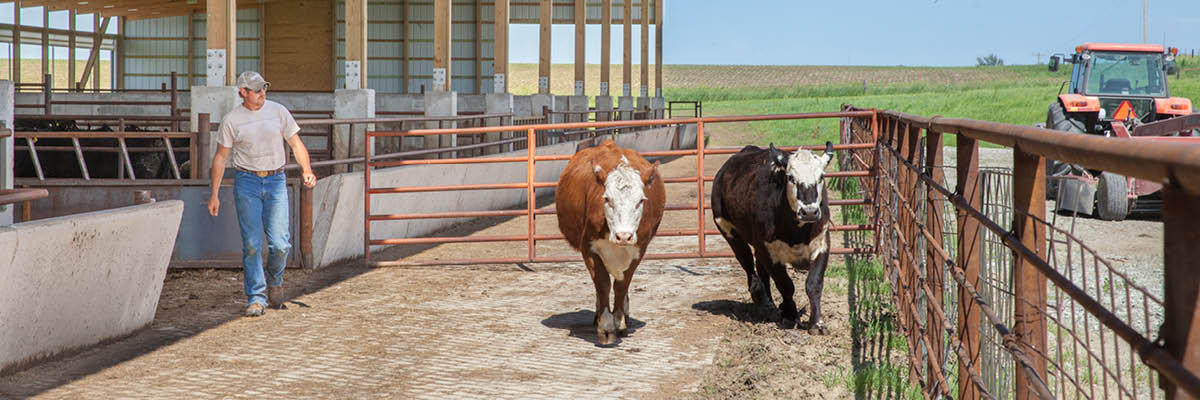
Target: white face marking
[[805, 169], [616, 258], [781, 252], [624, 195]]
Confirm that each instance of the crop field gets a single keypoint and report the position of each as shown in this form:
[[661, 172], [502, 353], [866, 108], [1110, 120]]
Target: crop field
[[31, 71]]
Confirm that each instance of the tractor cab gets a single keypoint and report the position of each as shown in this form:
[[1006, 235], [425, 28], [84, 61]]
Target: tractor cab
[[1120, 91], [1118, 82]]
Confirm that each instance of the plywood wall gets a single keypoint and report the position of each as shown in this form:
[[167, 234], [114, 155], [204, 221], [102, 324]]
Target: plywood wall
[[299, 45]]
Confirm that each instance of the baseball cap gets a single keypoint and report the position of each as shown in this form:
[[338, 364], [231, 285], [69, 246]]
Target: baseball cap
[[252, 80]]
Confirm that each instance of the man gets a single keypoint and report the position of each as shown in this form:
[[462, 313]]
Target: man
[[255, 133]]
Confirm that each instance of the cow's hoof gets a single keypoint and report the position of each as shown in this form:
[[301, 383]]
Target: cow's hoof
[[787, 323], [605, 338], [815, 329]]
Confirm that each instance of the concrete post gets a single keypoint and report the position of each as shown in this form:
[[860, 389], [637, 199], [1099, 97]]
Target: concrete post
[[216, 101], [497, 103], [441, 104], [604, 103], [6, 148], [643, 103], [577, 104], [625, 105], [659, 105], [351, 103]]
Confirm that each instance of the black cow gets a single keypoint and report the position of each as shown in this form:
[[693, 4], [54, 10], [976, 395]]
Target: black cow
[[775, 202], [101, 165]]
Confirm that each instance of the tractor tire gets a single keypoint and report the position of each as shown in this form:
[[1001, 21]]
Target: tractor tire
[[1058, 119], [1112, 202]]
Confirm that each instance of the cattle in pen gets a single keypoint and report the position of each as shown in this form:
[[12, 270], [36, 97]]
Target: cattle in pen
[[772, 208], [610, 201]]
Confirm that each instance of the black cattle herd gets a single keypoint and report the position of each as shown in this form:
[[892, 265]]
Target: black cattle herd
[[58, 159]]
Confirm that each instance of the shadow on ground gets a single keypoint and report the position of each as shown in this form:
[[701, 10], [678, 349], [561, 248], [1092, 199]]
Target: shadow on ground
[[579, 325]]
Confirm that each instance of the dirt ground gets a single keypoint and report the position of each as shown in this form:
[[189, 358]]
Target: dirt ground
[[489, 331]]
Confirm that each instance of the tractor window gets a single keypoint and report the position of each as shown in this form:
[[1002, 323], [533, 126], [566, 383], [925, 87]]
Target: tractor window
[[1135, 74]]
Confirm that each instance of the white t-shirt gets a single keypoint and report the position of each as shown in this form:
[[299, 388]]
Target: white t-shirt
[[257, 137]]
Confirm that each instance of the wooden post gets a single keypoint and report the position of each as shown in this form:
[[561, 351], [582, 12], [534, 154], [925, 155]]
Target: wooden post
[[201, 165], [605, 45], [627, 69], [16, 35], [969, 258], [306, 227], [191, 52], [118, 56], [221, 34], [478, 47], [404, 69], [46, 41], [545, 8], [442, 33], [644, 16], [1181, 326], [580, 46], [356, 44], [658, 46], [71, 50], [1029, 285], [934, 203], [500, 47]]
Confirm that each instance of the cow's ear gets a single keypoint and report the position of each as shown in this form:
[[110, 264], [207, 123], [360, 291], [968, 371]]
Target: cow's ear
[[649, 175], [778, 159], [828, 156]]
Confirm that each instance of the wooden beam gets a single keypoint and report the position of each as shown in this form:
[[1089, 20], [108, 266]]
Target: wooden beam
[[16, 35], [191, 50], [627, 69], [404, 69], [94, 56], [500, 47], [71, 47], [580, 46], [356, 41], [478, 47], [118, 56], [442, 34], [221, 24], [46, 42], [546, 12], [605, 45], [658, 47], [644, 15]]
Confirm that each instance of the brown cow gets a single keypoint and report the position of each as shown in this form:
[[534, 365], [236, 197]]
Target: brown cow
[[610, 201]]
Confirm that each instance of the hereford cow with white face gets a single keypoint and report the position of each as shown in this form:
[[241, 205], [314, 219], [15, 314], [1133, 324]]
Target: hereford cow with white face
[[609, 202], [776, 204]]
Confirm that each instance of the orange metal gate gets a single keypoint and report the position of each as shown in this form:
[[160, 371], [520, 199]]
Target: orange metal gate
[[531, 158]]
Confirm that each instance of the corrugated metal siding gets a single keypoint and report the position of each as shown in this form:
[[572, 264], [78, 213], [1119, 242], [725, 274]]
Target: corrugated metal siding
[[150, 59]]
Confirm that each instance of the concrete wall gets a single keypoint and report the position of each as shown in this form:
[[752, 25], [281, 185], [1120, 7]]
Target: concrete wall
[[183, 100], [338, 199], [75, 281]]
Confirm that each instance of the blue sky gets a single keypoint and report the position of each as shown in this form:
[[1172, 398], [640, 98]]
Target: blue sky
[[882, 32]]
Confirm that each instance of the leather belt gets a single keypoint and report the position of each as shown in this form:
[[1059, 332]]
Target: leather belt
[[261, 174]]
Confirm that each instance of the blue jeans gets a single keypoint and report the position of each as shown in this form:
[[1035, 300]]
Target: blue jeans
[[262, 203]]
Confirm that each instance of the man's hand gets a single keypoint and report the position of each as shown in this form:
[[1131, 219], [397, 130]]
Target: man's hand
[[310, 180], [214, 205]]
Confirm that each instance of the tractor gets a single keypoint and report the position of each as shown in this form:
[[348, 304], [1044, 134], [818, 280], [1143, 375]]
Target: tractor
[[1118, 91]]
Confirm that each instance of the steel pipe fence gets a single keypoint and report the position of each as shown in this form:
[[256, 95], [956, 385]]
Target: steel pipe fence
[[530, 185], [1029, 310]]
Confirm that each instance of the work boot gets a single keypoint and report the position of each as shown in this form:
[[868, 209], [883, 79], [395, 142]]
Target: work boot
[[275, 297], [255, 310]]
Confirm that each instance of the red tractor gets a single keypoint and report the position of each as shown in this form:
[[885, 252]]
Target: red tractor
[[1120, 91]]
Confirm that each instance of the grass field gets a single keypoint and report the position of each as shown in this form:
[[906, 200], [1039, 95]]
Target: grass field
[[31, 71]]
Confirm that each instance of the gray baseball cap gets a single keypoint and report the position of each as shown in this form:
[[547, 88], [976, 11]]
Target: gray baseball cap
[[252, 80]]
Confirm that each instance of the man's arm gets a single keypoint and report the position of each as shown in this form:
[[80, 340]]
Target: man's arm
[[301, 154], [218, 172]]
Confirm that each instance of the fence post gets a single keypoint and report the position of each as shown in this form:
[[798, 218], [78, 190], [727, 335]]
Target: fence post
[[934, 201], [968, 257], [1029, 285], [1181, 284], [201, 165], [899, 135], [306, 227]]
